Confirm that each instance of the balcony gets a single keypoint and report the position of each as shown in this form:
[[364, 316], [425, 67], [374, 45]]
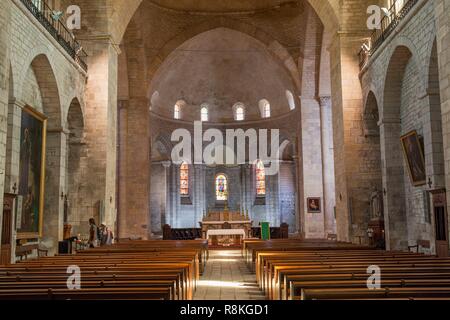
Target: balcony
[[398, 11], [58, 29]]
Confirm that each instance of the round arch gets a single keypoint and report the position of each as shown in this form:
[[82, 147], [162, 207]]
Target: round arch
[[327, 10], [272, 45], [48, 86]]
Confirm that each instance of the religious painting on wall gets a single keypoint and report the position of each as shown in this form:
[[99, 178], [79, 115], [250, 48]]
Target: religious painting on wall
[[313, 205], [415, 159], [221, 188], [31, 173]]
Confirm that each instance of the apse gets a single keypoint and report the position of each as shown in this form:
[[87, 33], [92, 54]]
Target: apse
[[219, 69]]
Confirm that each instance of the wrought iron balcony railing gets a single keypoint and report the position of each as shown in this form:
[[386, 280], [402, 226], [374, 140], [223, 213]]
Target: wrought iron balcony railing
[[398, 11], [58, 29]]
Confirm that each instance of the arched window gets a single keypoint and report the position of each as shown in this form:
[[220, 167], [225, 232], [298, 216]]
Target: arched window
[[221, 188], [184, 179], [178, 109], [239, 112], [264, 107], [177, 112], [204, 113], [290, 99], [260, 179]]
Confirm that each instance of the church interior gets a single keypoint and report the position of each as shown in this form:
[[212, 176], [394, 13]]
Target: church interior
[[224, 150]]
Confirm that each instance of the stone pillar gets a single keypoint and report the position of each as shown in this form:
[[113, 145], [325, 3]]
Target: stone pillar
[[122, 160], [396, 233], [248, 203], [5, 17], [13, 158], [55, 189], [442, 9], [165, 214], [13, 145], [173, 196], [329, 188], [136, 221], [299, 212], [347, 101], [433, 139], [312, 166], [99, 178]]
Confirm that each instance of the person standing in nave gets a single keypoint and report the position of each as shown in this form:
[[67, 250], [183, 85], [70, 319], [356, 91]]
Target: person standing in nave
[[106, 235], [93, 233]]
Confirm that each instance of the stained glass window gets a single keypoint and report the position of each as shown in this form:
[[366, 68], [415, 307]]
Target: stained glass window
[[221, 188], [184, 179], [260, 179]]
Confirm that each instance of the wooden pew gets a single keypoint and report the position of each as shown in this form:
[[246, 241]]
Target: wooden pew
[[129, 270], [365, 293], [296, 270]]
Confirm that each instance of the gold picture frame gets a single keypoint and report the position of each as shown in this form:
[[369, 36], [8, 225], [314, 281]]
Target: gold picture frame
[[415, 159], [29, 113]]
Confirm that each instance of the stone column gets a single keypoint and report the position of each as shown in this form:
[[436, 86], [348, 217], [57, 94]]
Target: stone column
[[5, 18], [13, 145], [248, 203], [347, 101], [433, 139], [329, 188], [165, 213], [99, 178], [55, 188], [396, 232], [122, 161], [136, 222], [442, 9], [299, 212], [312, 166]]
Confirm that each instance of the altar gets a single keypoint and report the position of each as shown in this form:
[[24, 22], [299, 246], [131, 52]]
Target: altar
[[224, 228]]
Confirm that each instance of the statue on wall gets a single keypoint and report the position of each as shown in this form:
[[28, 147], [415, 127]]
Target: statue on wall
[[376, 204]]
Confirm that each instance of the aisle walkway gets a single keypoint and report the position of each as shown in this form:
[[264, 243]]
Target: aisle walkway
[[227, 278]]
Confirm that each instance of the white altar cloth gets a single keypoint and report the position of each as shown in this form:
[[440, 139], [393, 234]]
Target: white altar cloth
[[225, 232]]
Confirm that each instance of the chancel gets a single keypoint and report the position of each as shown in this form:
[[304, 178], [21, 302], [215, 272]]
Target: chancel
[[233, 150]]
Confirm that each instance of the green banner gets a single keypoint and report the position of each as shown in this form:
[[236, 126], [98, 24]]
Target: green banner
[[265, 231]]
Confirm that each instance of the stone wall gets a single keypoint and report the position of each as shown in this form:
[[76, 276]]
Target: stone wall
[[398, 75], [41, 75], [278, 206]]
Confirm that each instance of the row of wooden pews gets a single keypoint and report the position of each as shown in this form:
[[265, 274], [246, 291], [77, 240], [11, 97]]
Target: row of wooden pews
[[131, 270], [310, 270]]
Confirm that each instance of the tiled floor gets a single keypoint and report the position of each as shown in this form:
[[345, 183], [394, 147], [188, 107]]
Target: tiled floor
[[227, 278]]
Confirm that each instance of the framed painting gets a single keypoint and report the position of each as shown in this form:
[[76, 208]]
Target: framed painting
[[31, 174], [413, 152], [314, 205]]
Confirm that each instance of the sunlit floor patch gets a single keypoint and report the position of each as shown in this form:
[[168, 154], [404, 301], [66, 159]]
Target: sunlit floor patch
[[221, 284], [227, 277]]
